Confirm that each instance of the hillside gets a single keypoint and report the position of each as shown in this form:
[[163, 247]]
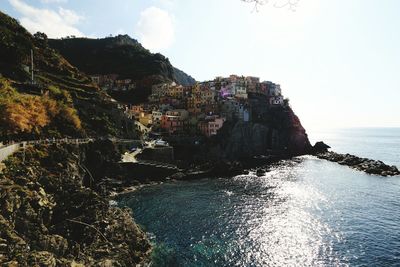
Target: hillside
[[54, 212], [62, 101], [124, 56]]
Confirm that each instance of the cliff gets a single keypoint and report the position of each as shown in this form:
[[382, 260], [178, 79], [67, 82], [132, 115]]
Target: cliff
[[53, 212], [278, 132], [284, 134]]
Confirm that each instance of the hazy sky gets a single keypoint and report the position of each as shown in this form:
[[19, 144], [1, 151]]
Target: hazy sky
[[337, 60]]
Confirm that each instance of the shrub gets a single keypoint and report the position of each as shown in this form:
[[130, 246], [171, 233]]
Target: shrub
[[28, 114], [71, 116], [6, 90], [25, 114]]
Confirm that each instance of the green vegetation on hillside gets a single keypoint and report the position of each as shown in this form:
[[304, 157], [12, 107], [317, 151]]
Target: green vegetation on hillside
[[121, 55], [62, 101], [125, 57], [30, 116]]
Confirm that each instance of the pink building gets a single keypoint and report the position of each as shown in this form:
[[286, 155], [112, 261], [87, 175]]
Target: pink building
[[210, 126]]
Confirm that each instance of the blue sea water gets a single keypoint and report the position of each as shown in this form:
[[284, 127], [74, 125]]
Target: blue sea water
[[377, 143], [306, 212]]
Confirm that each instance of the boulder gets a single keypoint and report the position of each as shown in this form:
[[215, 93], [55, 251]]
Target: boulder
[[320, 147]]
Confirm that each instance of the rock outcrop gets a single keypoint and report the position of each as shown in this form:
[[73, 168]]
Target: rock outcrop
[[48, 217], [284, 135], [320, 147], [362, 164]]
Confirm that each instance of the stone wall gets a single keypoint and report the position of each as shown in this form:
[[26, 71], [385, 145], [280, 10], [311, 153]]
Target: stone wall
[[161, 154]]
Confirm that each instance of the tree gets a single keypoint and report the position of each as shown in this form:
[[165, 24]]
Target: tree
[[41, 39]]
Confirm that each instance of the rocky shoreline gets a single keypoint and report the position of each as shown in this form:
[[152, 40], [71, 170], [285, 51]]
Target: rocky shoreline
[[229, 168], [55, 202], [56, 212], [362, 164]]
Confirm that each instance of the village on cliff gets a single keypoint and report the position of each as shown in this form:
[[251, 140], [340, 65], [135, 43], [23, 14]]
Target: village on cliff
[[174, 109]]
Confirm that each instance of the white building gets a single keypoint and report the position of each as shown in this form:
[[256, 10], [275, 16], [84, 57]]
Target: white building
[[276, 101], [240, 90], [156, 116]]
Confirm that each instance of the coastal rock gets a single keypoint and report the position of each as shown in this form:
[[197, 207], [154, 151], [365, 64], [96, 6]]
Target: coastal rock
[[260, 172], [279, 132], [362, 164], [320, 147], [271, 131], [178, 176], [226, 168], [50, 218]]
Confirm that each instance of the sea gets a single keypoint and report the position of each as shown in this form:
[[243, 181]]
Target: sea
[[302, 212]]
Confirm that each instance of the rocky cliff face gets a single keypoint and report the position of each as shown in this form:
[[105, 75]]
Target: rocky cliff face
[[281, 133], [277, 132], [48, 217]]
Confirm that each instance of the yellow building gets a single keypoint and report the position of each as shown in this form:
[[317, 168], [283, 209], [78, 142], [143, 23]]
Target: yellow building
[[146, 119], [194, 104], [175, 91]]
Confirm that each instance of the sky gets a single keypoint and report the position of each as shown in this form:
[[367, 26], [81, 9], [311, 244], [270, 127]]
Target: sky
[[337, 61]]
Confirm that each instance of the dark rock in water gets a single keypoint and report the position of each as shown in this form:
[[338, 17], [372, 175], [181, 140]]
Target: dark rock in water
[[224, 168], [260, 172], [362, 164], [320, 147], [178, 176]]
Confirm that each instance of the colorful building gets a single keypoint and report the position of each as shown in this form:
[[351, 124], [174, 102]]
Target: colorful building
[[146, 119], [211, 125], [174, 120], [161, 89], [156, 117], [172, 124]]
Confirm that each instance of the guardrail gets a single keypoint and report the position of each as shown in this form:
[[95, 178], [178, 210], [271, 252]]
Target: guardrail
[[12, 147], [157, 164]]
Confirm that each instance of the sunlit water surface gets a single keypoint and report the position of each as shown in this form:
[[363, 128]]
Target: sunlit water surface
[[307, 212]]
